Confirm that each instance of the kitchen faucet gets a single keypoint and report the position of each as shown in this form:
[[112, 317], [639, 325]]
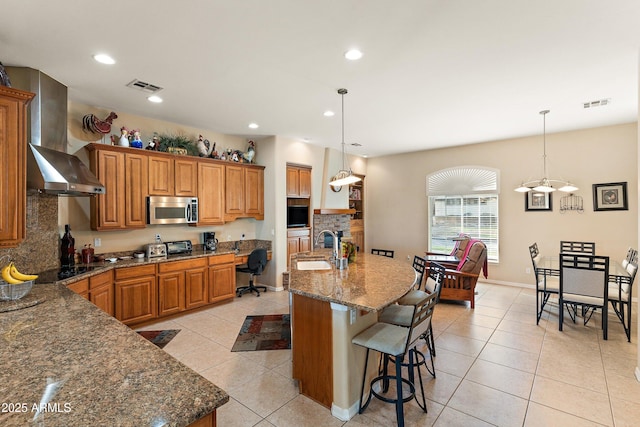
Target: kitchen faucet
[[336, 250]]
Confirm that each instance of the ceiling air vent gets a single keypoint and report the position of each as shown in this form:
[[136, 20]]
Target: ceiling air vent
[[356, 144], [597, 103], [144, 86]]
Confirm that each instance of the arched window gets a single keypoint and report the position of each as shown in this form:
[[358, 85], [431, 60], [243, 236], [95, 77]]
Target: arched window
[[463, 199]]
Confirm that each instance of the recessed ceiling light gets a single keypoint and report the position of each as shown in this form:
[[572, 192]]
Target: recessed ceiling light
[[329, 113], [155, 98], [253, 125], [104, 59], [353, 54]]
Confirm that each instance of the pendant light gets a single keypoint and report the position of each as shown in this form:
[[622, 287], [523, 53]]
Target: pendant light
[[344, 175], [545, 184]]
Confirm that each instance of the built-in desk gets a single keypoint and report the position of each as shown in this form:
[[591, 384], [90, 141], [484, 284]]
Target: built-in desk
[[330, 307]]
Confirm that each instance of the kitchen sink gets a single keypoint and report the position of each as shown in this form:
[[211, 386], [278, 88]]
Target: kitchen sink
[[313, 265]]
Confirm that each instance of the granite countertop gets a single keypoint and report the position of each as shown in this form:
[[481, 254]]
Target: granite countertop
[[371, 283], [91, 370], [88, 270]]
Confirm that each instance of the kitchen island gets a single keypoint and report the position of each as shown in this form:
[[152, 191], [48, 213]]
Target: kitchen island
[[328, 308], [67, 363]]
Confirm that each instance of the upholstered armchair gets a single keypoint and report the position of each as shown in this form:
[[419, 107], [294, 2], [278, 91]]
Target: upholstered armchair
[[460, 281]]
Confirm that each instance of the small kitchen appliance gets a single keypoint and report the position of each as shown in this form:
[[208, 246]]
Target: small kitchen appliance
[[179, 247], [172, 210], [210, 241], [156, 250]]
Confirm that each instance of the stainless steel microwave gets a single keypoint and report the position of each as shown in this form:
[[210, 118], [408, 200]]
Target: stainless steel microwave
[[172, 210]]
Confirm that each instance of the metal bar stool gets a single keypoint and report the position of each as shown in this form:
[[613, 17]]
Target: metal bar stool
[[400, 314], [397, 342]]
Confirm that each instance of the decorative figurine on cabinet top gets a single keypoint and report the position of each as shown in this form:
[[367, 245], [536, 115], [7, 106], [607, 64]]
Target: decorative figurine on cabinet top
[[136, 142], [204, 146], [124, 137], [251, 152]]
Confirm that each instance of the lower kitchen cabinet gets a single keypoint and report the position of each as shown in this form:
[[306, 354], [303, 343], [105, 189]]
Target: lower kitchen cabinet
[[136, 294], [181, 285], [81, 287], [298, 240], [222, 277], [101, 291]]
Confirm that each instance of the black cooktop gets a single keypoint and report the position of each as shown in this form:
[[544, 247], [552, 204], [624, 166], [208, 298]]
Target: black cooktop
[[56, 274]]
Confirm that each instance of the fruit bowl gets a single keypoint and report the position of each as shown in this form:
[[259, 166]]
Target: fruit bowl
[[9, 292]]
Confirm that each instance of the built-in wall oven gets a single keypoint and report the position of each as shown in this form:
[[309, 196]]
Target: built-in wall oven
[[172, 210]]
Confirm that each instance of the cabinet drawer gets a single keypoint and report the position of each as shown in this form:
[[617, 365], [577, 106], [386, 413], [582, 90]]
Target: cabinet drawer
[[138, 271], [302, 232], [222, 259], [101, 279], [79, 287], [188, 264]]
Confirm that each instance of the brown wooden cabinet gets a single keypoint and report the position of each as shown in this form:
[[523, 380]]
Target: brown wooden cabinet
[[186, 177], [244, 192], [172, 176], [181, 285], [101, 291], [298, 240], [222, 277], [211, 189], [81, 287], [136, 173], [136, 294], [13, 158], [298, 181], [125, 177]]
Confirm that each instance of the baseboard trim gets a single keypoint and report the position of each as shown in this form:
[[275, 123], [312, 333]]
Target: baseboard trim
[[344, 414]]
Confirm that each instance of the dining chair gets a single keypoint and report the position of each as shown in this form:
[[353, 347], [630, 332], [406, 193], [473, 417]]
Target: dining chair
[[547, 284], [620, 291], [577, 247], [583, 282]]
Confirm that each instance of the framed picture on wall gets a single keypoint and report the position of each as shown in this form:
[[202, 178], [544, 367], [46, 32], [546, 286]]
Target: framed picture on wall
[[610, 197], [537, 201]]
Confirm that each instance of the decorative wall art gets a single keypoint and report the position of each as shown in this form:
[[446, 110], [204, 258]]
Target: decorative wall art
[[537, 201], [610, 197]]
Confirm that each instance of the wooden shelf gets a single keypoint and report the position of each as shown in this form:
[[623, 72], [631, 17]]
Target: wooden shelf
[[334, 211]]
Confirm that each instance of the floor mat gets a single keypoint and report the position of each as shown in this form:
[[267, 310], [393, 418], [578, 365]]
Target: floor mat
[[268, 332], [160, 338]]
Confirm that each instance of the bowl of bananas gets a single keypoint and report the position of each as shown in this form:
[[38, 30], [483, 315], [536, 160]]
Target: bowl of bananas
[[14, 284]]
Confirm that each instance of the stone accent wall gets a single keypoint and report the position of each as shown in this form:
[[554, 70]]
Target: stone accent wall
[[341, 222], [39, 251]]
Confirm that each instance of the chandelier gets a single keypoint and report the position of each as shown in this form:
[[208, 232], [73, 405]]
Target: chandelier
[[545, 184], [344, 175]]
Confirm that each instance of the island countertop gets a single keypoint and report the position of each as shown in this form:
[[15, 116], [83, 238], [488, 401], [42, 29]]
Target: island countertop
[[91, 370], [371, 283]]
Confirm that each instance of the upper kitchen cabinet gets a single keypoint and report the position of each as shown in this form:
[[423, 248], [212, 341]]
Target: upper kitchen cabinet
[[210, 193], [170, 176], [13, 145], [298, 181], [125, 178], [244, 192]]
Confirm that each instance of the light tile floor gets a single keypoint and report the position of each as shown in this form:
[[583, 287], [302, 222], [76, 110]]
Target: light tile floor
[[494, 366]]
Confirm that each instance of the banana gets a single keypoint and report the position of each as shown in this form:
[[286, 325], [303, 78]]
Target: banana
[[17, 275], [6, 275]]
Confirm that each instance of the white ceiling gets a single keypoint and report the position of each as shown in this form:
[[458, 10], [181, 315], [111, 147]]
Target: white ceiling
[[435, 73]]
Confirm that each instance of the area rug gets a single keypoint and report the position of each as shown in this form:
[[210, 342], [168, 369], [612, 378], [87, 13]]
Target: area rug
[[268, 332], [160, 338]]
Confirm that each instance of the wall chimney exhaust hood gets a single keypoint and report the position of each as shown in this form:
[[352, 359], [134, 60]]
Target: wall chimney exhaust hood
[[49, 168], [55, 172]]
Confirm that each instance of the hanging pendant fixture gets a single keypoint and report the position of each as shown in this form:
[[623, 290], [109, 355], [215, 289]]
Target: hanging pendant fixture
[[344, 176], [545, 184]]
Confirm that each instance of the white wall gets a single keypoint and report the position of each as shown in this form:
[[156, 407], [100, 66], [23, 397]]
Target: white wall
[[397, 215]]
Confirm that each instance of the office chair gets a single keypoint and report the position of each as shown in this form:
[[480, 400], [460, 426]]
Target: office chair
[[255, 264]]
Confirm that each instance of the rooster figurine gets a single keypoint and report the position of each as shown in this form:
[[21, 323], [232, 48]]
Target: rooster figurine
[[91, 123], [251, 152]]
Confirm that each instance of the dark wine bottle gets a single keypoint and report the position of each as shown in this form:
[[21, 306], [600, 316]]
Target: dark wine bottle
[[67, 248]]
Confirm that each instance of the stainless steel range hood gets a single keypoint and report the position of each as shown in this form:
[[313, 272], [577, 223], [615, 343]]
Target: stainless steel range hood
[[55, 172], [49, 168]]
